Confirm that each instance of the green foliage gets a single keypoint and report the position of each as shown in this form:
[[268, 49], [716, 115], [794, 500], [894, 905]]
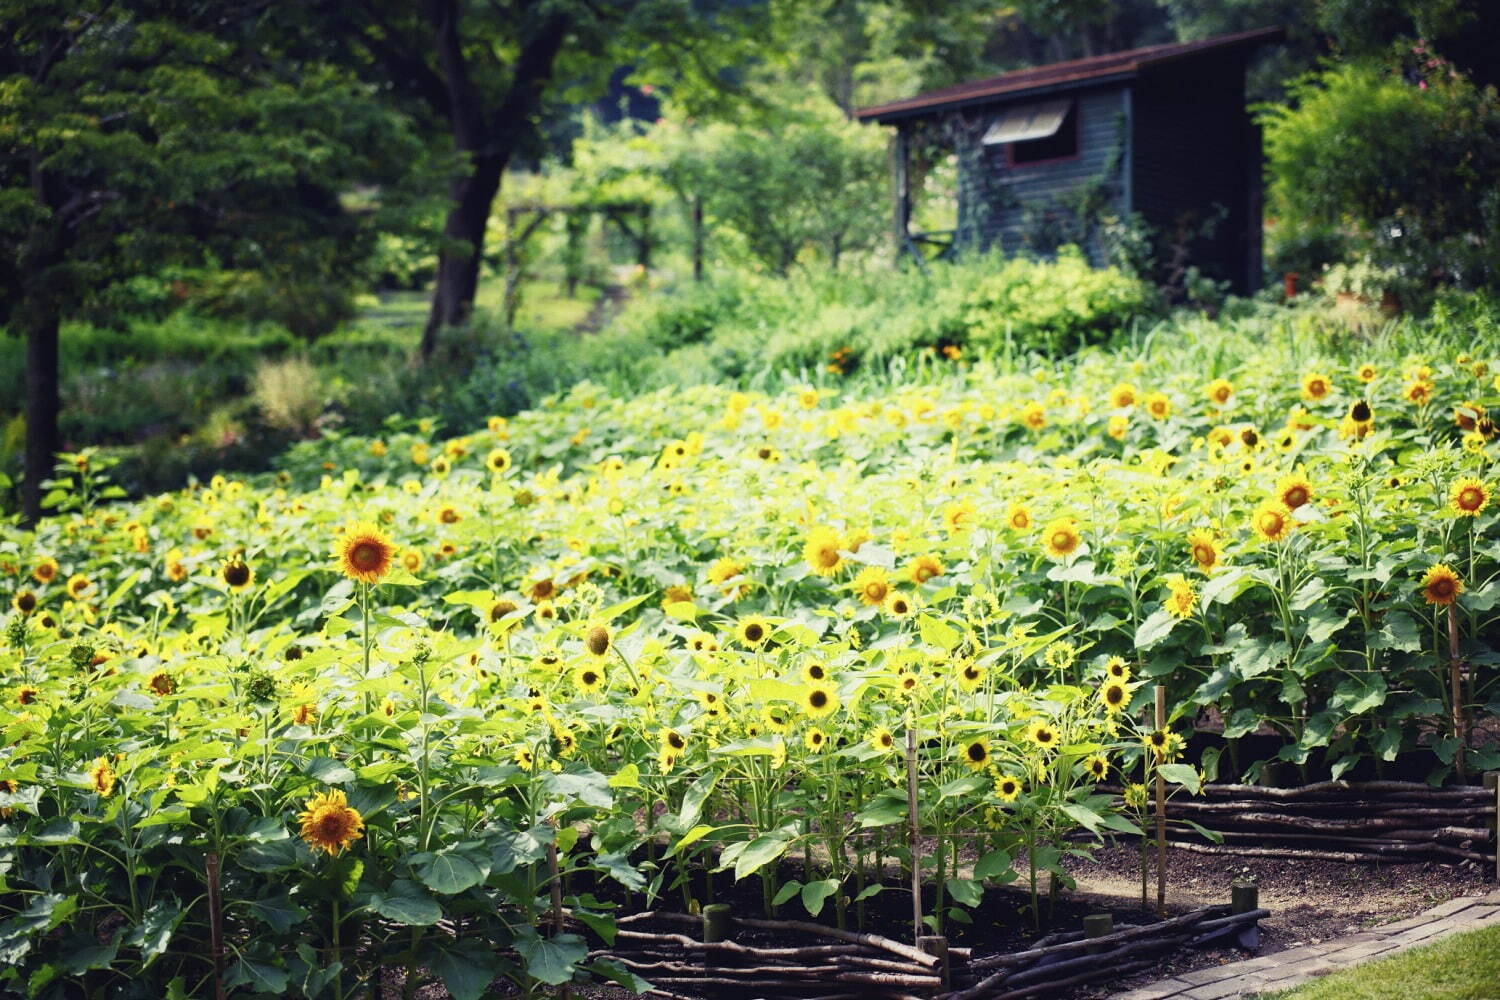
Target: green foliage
[[1404, 166], [1052, 306], [151, 143]]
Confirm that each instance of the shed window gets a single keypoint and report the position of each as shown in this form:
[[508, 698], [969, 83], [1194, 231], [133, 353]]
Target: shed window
[[1034, 133]]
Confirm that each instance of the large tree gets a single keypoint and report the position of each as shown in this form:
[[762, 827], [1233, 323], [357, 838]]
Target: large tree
[[495, 78], [142, 134]]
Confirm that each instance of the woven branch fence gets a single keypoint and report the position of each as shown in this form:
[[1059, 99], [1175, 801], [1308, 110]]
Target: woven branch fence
[[1341, 821], [846, 965]]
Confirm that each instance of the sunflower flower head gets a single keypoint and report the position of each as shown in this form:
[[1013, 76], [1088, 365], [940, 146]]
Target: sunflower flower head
[[1469, 497], [1441, 586], [975, 754], [1061, 537], [1182, 599], [821, 551], [364, 553], [818, 700], [329, 823]]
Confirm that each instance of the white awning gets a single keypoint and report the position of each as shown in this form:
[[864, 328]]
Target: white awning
[[1027, 122]]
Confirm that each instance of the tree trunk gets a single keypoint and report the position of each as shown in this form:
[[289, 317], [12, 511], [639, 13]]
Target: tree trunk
[[42, 403], [463, 238]]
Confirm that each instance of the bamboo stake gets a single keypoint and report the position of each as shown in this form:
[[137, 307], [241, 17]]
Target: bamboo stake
[[1161, 811], [911, 815], [1455, 680]]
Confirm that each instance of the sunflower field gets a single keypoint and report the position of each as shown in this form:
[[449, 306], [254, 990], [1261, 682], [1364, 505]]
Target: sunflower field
[[380, 716]]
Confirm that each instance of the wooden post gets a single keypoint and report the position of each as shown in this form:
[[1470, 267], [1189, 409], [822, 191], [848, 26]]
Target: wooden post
[[902, 181], [715, 923], [1161, 810], [937, 946], [555, 879], [1492, 782], [215, 923], [911, 817], [1097, 925], [1244, 895], [1455, 681]]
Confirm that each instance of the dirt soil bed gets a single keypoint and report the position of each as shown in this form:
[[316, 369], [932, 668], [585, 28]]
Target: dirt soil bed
[[1310, 901]]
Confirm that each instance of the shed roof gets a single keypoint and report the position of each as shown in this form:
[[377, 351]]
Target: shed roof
[[1061, 76]]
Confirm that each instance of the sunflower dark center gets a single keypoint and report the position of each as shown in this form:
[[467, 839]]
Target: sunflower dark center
[[365, 555]]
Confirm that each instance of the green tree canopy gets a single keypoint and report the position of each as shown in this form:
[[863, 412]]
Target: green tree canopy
[[145, 134]]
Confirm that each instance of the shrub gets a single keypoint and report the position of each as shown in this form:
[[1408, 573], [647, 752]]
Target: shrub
[[1403, 162], [1052, 306], [289, 393]]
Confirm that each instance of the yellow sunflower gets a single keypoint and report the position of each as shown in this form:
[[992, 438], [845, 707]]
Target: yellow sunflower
[[1007, 788], [24, 601], [46, 570], [814, 672], [1042, 734], [329, 823], [1097, 767], [1122, 396], [237, 574], [1441, 586], [970, 676], [102, 776], [1293, 491], [818, 700], [752, 631], [1418, 392], [1182, 600], [898, 605], [975, 754], [1018, 517], [872, 585], [1219, 391], [364, 553], [1204, 549], [1163, 743], [1159, 406], [1114, 695], [498, 460], [815, 739], [1272, 521], [959, 516], [1366, 373], [1316, 386], [1469, 497], [588, 678], [1061, 537], [882, 740], [822, 551], [79, 586], [923, 568]]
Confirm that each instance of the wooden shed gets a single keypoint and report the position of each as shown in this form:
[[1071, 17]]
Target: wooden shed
[[1043, 154]]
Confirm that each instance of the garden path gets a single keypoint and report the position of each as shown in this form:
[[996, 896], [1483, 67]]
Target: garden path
[[1286, 969]]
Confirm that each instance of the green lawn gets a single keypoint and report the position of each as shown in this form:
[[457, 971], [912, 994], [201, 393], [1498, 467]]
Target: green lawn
[[1461, 967]]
